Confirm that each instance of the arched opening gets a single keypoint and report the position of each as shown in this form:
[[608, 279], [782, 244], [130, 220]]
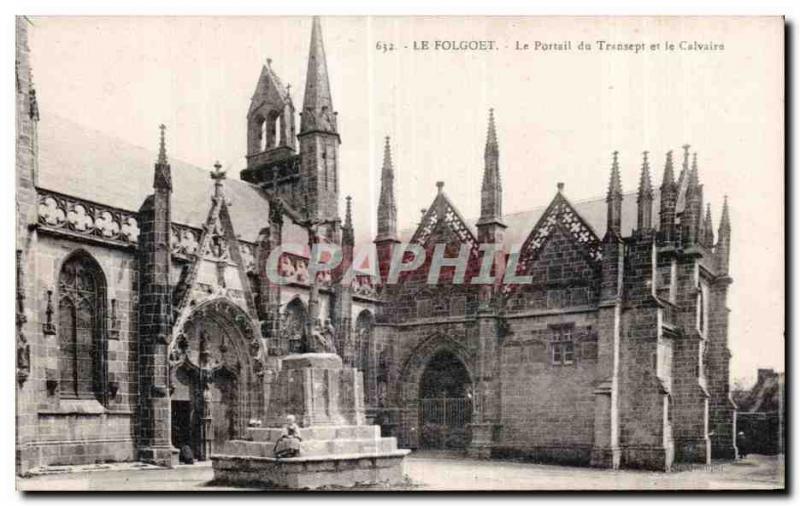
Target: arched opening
[[445, 403], [364, 355], [214, 380], [263, 134], [294, 326], [81, 339], [277, 130]]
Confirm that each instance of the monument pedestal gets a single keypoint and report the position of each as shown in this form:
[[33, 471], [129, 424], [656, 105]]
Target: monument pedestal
[[338, 449]]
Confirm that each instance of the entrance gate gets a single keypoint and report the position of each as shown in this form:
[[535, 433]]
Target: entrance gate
[[445, 408]]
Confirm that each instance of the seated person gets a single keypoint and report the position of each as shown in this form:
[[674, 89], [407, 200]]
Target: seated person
[[288, 445]]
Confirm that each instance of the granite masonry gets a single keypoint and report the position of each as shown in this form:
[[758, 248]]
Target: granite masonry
[[146, 321]]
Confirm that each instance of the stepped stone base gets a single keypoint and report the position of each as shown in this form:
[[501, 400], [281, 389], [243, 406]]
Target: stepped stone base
[[311, 472], [320, 392]]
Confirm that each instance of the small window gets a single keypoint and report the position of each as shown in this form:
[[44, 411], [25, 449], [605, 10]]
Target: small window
[[562, 345], [458, 306], [424, 308]]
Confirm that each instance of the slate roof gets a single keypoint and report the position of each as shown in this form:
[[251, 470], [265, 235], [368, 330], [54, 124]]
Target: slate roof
[[593, 212], [88, 164]]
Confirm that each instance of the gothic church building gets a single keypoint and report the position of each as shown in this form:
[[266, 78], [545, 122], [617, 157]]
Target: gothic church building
[[146, 322]]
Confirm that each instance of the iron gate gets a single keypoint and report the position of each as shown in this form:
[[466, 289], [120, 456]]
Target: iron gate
[[444, 421]]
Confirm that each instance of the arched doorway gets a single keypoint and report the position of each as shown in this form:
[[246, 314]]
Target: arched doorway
[[445, 403], [215, 378]]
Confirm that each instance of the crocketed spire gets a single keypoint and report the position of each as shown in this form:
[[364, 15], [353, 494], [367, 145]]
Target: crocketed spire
[[614, 198], [491, 188], [162, 179], [614, 183], [347, 228], [708, 228], [387, 209], [318, 114], [668, 181], [645, 196], [645, 185]]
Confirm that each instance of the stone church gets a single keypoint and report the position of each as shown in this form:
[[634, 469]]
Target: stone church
[[146, 321]]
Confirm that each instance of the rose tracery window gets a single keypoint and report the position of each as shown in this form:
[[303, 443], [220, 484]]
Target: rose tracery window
[[80, 341]]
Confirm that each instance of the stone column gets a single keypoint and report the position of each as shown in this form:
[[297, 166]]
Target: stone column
[[155, 318], [606, 450], [487, 389]]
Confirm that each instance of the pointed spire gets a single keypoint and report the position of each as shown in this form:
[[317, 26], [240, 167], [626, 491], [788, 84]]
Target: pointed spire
[[694, 178], [387, 209], [162, 146], [614, 198], [645, 197], [615, 183], [348, 212], [347, 228], [723, 247], [491, 188], [669, 174], [708, 228], [725, 220], [668, 202], [318, 114], [645, 185], [491, 134], [163, 174]]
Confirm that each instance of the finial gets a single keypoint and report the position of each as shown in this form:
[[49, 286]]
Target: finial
[[269, 62], [644, 157], [439, 186], [218, 174], [560, 187], [162, 146], [686, 156]]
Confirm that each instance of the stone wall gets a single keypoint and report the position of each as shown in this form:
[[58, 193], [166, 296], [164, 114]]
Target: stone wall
[[81, 431]]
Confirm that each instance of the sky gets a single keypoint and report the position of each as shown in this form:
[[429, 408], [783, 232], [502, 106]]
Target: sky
[[559, 114]]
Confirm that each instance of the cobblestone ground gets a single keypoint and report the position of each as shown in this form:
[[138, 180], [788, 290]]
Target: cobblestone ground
[[429, 471]]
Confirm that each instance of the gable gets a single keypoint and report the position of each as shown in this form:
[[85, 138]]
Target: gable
[[443, 221], [560, 217], [217, 269], [269, 91]]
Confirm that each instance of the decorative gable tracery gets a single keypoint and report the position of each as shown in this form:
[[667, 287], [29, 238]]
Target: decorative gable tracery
[[559, 214], [442, 213]]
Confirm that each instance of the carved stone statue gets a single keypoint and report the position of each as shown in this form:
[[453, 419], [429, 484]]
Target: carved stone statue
[[320, 340]]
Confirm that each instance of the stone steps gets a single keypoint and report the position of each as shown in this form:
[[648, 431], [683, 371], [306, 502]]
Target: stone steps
[[315, 447], [323, 432]]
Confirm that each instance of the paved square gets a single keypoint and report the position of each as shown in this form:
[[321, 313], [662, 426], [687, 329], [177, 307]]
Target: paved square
[[432, 471]]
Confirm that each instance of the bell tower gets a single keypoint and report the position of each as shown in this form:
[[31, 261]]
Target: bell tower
[[270, 121]]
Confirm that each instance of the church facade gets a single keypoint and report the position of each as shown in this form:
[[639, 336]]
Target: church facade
[[147, 319]]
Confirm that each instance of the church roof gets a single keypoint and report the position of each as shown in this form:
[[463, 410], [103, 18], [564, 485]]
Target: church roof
[[88, 164], [593, 212]]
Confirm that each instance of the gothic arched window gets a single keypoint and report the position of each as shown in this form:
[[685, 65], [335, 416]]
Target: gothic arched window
[[81, 359]]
